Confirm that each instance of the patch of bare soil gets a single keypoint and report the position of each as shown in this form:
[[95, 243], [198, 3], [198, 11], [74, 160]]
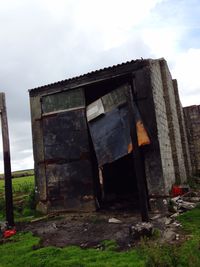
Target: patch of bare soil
[[89, 230], [85, 230]]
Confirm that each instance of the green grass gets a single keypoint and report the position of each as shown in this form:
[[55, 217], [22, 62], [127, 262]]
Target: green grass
[[24, 250], [20, 185], [191, 221], [23, 198], [194, 182]]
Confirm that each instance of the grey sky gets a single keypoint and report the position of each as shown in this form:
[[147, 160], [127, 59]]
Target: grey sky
[[43, 41]]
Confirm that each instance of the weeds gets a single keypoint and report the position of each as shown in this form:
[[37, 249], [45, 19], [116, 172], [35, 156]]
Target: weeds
[[109, 245], [23, 198], [23, 188], [194, 182], [159, 255]]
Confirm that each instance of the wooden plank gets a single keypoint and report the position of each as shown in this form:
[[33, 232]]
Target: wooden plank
[[137, 160], [7, 165]]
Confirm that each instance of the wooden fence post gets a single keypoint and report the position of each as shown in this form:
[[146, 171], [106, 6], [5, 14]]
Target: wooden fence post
[[7, 165], [137, 160]]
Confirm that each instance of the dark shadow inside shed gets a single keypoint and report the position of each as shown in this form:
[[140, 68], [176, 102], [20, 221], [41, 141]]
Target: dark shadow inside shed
[[119, 184]]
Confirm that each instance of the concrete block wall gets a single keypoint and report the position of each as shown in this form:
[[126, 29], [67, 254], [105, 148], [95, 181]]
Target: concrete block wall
[[192, 120], [173, 123], [168, 171], [184, 139], [152, 157]]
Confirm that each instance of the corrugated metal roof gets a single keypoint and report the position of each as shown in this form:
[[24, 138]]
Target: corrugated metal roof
[[89, 73]]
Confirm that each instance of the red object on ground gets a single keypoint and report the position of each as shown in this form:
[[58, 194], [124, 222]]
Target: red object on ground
[[9, 233], [177, 190]]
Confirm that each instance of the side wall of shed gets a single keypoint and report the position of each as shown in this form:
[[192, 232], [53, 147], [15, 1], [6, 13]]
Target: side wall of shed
[[173, 123], [152, 156], [165, 148], [184, 138]]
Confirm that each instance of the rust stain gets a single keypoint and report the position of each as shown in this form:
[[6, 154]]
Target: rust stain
[[143, 138]]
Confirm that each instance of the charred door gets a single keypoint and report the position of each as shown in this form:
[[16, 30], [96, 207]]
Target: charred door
[[66, 149], [110, 120]]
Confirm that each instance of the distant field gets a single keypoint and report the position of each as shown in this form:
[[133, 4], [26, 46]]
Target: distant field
[[18, 174], [21, 185]]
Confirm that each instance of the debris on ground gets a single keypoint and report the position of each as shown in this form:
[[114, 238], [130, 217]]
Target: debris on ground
[[184, 202], [6, 231], [90, 229], [114, 220], [3, 227], [10, 232], [178, 190], [140, 230]]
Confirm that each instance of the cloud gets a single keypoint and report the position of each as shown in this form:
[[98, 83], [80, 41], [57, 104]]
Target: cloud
[[186, 70], [44, 41]]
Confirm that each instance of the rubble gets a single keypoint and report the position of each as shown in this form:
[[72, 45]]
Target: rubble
[[114, 220], [169, 235], [185, 202], [3, 227], [141, 230]]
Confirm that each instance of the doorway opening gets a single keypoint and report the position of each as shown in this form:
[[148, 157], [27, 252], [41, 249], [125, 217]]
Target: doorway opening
[[115, 183], [119, 185]]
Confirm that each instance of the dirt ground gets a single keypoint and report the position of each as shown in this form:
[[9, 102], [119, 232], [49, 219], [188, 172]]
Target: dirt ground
[[89, 230]]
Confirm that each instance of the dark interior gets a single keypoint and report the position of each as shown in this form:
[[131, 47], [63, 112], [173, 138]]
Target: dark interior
[[120, 184]]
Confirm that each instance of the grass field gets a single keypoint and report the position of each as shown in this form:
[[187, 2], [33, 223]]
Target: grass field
[[23, 195], [23, 184]]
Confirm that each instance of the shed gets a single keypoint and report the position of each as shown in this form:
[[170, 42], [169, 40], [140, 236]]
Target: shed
[[82, 142]]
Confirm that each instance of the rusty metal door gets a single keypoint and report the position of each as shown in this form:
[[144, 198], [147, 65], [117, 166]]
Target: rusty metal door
[[108, 120], [66, 149]]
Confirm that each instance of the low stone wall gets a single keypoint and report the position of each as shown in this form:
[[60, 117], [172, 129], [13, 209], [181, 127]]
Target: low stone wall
[[192, 120]]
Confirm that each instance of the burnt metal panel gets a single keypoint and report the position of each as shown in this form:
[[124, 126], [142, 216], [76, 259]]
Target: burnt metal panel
[[70, 185], [67, 152], [65, 135], [63, 100], [110, 132], [111, 135]]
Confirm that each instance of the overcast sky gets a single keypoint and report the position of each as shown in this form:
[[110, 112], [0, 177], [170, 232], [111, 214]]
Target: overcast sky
[[43, 41]]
